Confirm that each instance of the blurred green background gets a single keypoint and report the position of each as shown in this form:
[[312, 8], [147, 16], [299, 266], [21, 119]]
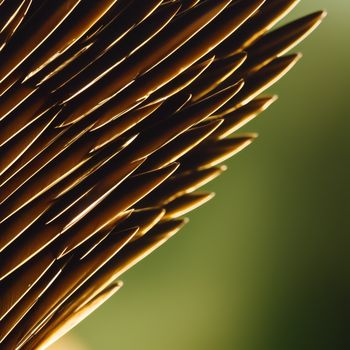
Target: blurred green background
[[263, 265]]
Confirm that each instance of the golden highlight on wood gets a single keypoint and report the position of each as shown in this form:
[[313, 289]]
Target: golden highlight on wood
[[113, 114]]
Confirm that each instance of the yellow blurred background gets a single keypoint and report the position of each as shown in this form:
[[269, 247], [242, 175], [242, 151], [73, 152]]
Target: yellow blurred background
[[260, 266]]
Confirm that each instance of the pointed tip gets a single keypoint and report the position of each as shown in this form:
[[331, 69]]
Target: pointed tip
[[119, 284], [235, 58], [126, 234], [284, 63], [232, 89], [252, 136], [273, 99], [170, 167], [247, 137], [317, 15], [264, 102], [185, 221], [210, 196], [180, 223], [311, 21], [207, 62], [296, 57], [322, 14]]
